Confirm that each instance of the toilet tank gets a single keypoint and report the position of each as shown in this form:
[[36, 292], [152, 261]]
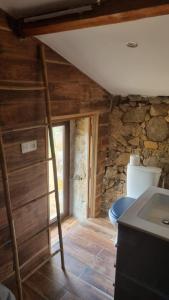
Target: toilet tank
[[140, 178]]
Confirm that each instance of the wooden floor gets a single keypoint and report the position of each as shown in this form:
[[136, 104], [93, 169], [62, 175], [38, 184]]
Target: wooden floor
[[89, 259]]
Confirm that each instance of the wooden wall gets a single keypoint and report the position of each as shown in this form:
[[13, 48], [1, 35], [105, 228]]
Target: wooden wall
[[72, 93]]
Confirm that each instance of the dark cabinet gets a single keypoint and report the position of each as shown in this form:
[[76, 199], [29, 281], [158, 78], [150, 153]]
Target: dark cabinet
[[142, 267]]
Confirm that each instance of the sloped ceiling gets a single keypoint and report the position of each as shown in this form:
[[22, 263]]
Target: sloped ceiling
[[102, 53]]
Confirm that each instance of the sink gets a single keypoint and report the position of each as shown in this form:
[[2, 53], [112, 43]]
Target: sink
[[156, 210], [150, 213]]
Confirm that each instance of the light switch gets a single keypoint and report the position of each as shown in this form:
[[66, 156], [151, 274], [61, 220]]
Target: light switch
[[29, 146]]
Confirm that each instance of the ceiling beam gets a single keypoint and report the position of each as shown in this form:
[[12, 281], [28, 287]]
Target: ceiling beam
[[110, 12]]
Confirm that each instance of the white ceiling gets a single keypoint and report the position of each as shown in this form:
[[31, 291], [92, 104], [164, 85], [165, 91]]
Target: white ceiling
[[102, 54]]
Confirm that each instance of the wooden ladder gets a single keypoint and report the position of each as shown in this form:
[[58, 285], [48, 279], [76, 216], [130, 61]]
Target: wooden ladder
[[5, 177]]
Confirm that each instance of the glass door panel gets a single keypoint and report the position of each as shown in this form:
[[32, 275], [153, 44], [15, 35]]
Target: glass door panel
[[59, 134]]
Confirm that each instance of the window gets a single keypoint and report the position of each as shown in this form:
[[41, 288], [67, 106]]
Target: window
[[61, 143]]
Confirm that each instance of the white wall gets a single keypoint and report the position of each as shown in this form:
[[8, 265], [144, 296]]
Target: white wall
[[79, 141]]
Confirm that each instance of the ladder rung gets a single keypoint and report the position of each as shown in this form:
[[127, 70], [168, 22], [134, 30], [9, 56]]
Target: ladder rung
[[5, 243], [40, 265], [30, 166], [40, 231], [55, 252], [21, 88], [24, 128], [33, 200]]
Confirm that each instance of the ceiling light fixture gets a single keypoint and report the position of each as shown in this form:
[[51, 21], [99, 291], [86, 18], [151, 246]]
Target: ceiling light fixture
[[132, 45]]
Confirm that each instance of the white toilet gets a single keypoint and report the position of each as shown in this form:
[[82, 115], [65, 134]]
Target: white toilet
[[139, 179]]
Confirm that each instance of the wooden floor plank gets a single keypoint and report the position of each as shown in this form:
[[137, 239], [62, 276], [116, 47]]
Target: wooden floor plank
[[73, 265], [69, 296], [96, 279], [92, 234], [73, 284], [29, 294], [90, 260], [49, 289], [84, 244], [90, 256]]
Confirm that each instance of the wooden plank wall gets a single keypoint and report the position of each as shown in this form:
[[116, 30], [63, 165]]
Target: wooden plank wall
[[71, 93], [19, 66]]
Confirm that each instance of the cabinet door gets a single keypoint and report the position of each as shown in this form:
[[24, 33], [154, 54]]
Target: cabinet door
[[144, 258], [126, 289]]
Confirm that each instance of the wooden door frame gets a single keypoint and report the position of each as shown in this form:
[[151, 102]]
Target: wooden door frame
[[92, 161], [93, 147]]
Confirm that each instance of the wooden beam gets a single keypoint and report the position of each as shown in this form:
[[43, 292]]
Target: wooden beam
[[110, 12]]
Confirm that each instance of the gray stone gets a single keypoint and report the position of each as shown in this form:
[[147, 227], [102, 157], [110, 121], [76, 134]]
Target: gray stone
[[121, 148], [143, 137], [147, 117], [136, 98], [126, 130], [123, 159], [134, 142], [151, 162], [128, 149], [150, 145], [111, 172], [122, 176], [108, 195], [116, 114], [117, 128], [155, 100], [157, 129], [133, 104], [167, 119], [136, 130], [165, 99], [124, 107], [143, 125], [119, 138], [112, 154], [120, 169], [164, 147], [147, 153], [159, 109], [135, 115]]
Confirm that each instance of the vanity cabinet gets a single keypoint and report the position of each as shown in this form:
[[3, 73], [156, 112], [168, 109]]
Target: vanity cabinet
[[142, 266]]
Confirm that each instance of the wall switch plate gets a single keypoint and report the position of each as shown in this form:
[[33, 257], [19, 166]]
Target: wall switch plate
[[29, 146]]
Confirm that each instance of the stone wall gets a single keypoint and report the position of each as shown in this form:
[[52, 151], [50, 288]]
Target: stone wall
[[136, 125]]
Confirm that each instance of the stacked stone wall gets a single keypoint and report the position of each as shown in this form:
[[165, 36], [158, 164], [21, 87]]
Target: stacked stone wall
[[137, 125]]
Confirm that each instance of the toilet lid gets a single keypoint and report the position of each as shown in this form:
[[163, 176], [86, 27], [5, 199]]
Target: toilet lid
[[120, 206]]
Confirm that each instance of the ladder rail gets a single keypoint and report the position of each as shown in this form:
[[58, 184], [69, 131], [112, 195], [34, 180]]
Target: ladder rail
[[52, 147], [10, 218]]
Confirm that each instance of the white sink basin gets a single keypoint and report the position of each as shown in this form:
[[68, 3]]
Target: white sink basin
[[156, 210], [150, 213]]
